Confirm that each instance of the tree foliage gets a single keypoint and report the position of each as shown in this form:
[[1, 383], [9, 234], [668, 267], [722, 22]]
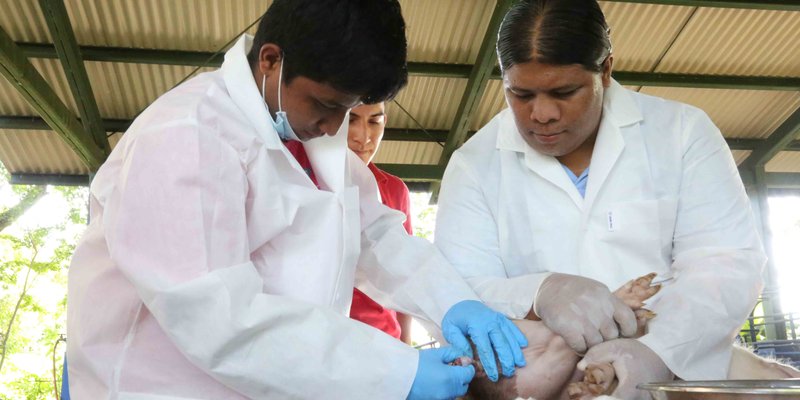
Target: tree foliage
[[34, 255]]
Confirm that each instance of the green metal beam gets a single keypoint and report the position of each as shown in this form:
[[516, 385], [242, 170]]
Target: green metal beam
[[414, 172], [50, 179], [706, 81], [23, 76], [775, 143], [783, 180], [130, 55], [476, 85], [39, 124], [390, 134], [208, 59], [55, 13], [786, 5], [415, 135]]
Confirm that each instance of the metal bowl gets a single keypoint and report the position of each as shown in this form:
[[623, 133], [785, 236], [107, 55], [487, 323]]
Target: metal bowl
[[725, 390]]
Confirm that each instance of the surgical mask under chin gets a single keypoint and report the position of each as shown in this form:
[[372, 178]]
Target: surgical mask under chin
[[281, 122]]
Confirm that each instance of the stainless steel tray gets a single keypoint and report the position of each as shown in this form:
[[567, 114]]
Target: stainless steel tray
[[725, 390]]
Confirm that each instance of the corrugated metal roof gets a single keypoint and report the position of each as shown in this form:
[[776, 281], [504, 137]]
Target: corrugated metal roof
[[446, 31], [38, 152], [752, 114], [408, 153], [785, 161], [431, 101], [124, 90], [640, 33], [23, 21], [737, 42], [201, 25]]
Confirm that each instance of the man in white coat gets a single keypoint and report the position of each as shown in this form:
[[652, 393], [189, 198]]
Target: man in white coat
[[581, 185], [217, 267]]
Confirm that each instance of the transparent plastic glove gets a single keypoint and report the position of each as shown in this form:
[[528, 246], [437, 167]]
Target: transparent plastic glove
[[488, 330], [582, 311], [436, 379], [634, 364]]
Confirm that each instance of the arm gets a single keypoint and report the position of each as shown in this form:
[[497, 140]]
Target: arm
[[403, 319], [717, 260], [467, 234], [399, 271], [176, 226]]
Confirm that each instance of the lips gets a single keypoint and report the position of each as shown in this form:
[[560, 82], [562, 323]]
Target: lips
[[548, 138]]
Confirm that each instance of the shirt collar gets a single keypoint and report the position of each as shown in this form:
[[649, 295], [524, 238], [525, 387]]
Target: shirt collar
[[380, 176]]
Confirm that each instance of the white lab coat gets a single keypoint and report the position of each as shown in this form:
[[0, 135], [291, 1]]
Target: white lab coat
[[213, 268], [664, 195]]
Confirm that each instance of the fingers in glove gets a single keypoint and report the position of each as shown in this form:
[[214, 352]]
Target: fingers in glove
[[449, 354], [609, 330], [626, 319], [574, 339], [483, 343], [593, 338], [456, 338], [504, 349], [463, 377], [517, 340]]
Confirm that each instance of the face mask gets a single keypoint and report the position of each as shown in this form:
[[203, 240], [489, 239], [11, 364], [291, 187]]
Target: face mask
[[281, 123]]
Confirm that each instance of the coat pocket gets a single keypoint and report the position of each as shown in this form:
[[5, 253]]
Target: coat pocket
[[633, 226]]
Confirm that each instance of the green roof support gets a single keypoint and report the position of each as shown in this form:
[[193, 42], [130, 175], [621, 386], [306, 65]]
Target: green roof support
[[55, 13], [786, 5], [439, 70], [23, 76], [414, 172], [778, 141], [390, 134], [478, 78]]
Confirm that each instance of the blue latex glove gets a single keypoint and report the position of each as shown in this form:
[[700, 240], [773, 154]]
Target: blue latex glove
[[436, 379], [487, 329]]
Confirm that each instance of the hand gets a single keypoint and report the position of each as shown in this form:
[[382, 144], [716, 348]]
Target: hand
[[582, 311], [436, 379], [487, 329], [633, 362]]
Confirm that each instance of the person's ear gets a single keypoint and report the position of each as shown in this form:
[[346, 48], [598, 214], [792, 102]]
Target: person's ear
[[607, 68], [270, 58]]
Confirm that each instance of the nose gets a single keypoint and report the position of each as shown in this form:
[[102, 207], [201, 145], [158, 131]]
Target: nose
[[544, 110], [330, 125], [358, 132]]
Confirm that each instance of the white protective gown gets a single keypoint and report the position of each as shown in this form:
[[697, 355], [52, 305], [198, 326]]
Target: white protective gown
[[664, 195], [213, 268]]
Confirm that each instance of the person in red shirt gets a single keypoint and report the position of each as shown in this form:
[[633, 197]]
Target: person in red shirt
[[365, 132]]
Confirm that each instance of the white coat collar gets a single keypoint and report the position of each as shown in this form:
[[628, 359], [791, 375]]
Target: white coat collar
[[619, 110], [243, 90]]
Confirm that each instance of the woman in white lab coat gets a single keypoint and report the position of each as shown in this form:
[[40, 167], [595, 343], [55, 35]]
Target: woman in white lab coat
[[216, 267], [580, 185]]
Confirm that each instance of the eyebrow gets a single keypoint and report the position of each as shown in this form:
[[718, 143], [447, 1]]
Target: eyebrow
[[378, 114], [555, 89]]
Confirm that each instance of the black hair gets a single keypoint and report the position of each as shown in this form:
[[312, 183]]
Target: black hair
[[357, 46], [559, 32]]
